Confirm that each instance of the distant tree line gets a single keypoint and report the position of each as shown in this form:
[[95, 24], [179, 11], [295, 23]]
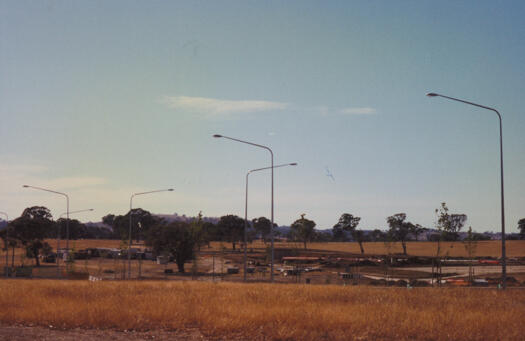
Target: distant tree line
[[182, 238]]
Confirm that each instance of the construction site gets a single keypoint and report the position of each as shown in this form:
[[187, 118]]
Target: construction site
[[218, 262]]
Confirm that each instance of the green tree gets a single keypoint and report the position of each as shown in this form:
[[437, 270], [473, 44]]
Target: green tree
[[10, 242], [232, 228], [338, 234], [449, 225], [141, 222], [303, 229], [322, 236], [211, 232], [77, 230], [470, 243], [347, 223], [400, 229], [378, 235], [31, 228], [177, 238], [200, 232], [521, 227], [417, 230], [263, 227], [359, 237], [110, 221]]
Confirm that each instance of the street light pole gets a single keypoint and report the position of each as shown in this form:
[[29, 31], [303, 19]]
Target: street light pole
[[67, 221], [246, 210], [130, 222], [6, 243], [271, 153], [79, 211], [503, 250]]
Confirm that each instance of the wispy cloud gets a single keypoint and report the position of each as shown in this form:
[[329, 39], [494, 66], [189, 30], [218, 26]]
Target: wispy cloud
[[358, 111], [75, 182], [13, 176], [22, 168], [221, 107], [213, 107]]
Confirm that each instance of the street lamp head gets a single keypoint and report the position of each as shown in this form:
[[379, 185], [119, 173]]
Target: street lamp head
[[25, 186], [170, 190], [431, 94], [217, 135], [293, 164]]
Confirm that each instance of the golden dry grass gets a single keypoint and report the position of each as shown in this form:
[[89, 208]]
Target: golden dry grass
[[266, 311], [490, 248]]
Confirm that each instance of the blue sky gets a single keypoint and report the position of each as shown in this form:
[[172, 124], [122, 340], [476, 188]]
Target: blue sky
[[101, 99]]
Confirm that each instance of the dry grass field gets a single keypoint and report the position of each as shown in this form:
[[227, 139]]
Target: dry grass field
[[264, 311], [492, 248]]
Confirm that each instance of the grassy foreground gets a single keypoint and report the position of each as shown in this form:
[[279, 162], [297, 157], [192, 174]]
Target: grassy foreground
[[267, 311]]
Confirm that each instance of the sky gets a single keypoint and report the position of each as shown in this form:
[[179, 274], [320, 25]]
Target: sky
[[103, 99]]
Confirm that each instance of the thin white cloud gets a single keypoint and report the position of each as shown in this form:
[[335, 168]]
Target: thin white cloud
[[74, 182], [218, 107], [13, 176], [22, 168], [358, 111]]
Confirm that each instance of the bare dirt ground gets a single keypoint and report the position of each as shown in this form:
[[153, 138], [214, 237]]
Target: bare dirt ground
[[23, 333]]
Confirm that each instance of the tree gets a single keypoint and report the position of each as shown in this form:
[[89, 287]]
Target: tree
[[338, 234], [11, 242], [232, 228], [200, 231], [521, 227], [400, 229], [77, 230], [141, 222], [470, 245], [322, 236], [176, 238], [449, 225], [211, 232], [109, 219], [303, 229], [31, 228], [263, 227], [378, 235], [457, 221], [359, 237], [348, 223], [417, 230]]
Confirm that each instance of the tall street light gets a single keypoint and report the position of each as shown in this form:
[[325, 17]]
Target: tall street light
[[271, 153], [79, 211], [246, 210], [6, 243], [72, 212], [503, 257], [67, 221], [130, 221]]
